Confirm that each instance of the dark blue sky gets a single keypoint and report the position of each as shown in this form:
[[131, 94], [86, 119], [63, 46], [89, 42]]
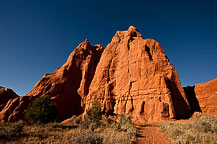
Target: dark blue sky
[[37, 36]]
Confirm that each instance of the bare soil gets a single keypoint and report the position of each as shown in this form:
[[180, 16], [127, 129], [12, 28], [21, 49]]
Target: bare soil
[[150, 134]]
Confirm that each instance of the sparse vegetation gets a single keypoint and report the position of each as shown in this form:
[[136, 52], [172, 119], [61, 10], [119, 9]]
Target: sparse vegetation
[[88, 137], [92, 117], [95, 128], [203, 129], [43, 110], [74, 120], [122, 131], [94, 113], [15, 130]]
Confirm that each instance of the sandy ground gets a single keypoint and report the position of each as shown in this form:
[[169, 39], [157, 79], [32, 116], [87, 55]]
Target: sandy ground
[[150, 134]]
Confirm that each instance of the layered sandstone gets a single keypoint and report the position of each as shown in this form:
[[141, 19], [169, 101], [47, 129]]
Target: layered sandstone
[[134, 76], [206, 94]]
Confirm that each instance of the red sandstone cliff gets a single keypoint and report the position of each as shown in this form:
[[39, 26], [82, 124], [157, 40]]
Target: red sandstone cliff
[[132, 76], [206, 94], [68, 84], [6, 95], [62, 85]]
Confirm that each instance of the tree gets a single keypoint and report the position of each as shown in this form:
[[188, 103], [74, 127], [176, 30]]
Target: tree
[[43, 110]]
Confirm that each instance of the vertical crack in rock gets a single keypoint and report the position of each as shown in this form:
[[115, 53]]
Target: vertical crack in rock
[[130, 96], [91, 68], [109, 66], [147, 49]]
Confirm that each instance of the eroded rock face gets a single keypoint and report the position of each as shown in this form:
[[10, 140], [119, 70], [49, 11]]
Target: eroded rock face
[[206, 94], [134, 76], [12, 107], [68, 84], [15, 109], [6, 95]]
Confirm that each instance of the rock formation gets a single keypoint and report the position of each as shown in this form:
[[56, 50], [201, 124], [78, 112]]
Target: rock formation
[[6, 95], [15, 109], [131, 75], [68, 84], [134, 76], [12, 107], [206, 94], [192, 99]]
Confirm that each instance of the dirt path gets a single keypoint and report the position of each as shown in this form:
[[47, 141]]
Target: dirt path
[[150, 134]]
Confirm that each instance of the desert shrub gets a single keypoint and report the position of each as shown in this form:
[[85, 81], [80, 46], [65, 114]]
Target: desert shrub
[[85, 123], [4, 133], [202, 130], [17, 127], [43, 110], [12, 130], [124, 119], [112, 136], [122, 131], [75, 120], [56, 126], [125, 122], [88, 124], [88, 137], [94, 113], [92, 117]]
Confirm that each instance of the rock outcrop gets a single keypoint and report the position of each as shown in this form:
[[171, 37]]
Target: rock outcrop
[[15, 109], [134, 76], [206, 94], [68, 84], [192, 99], [131, 75], [6, 95], [12, 107]]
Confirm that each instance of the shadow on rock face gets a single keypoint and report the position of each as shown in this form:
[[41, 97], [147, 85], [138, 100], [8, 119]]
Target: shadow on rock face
[[193, 101]]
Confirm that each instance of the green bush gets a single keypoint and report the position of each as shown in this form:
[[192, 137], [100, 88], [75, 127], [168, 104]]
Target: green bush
[[43, 110], [94, 113], [92, 117]]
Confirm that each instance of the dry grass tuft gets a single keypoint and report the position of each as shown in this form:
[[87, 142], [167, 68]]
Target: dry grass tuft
[[101, 132], [202, 130]]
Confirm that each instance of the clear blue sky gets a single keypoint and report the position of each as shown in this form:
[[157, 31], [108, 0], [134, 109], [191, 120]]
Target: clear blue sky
[[37, 36]]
